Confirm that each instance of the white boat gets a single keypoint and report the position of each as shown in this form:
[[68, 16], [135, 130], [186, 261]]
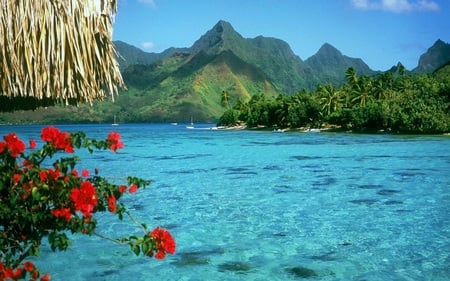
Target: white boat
[[115, 123], [192, 124]]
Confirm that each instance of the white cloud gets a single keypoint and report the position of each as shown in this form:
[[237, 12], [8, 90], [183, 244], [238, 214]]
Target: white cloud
[[396, 6], [147, 45], [363, 4], [150, 3]]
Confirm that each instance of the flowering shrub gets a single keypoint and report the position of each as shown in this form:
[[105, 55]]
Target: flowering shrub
[[38, 201]]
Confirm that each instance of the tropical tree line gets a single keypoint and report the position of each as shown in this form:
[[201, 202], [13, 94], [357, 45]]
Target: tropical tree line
[[391, 101]]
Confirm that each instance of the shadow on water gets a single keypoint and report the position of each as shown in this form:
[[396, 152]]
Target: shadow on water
[[197, 257]]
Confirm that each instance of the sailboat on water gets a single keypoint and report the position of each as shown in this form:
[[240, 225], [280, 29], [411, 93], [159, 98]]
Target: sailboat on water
[[192, 124], [115, 123]]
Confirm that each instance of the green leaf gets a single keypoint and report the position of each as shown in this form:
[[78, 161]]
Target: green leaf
[[35, 193], [135, 248]]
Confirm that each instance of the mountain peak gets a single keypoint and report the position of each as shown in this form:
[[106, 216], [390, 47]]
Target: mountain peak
[[329, 51], [436, 56], [215, 37], [332, 64], [438, 43], [223, 26]]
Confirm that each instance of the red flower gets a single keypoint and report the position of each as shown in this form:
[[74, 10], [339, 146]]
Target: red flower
[[16, 178], [62, 213], [133, 188], [164, 242], [64, 142], [160, 255], [114, 142], [35, 275], [49, 174], [84, 198], [27, 163], [32, 144], [14, 144], [85, 173], [49, 134], [28, 266], [46, 277], [2, 146], [74, 172], [60, 140], [43, 175], [122, 188], [112, 206], [17, 274]]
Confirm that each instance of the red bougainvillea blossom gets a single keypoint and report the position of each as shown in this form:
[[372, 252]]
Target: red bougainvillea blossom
[[112, 205], [13, 144], [28, 266], [122, 188], [62, 213], [32, 144], [50, 174], [164, 242], [84, 198], [85, 173], [114, 141], [60, 140], [8, 273], [133, 188]]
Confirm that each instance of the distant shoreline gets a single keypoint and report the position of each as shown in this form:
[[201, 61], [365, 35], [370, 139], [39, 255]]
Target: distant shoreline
[[329, 129]]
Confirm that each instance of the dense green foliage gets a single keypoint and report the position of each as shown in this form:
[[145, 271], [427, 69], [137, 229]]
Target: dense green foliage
[[390, 102], [181, 84]]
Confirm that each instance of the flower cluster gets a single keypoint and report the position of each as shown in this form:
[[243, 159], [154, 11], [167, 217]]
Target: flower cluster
[[38, 201], [60, 140], [164, 243], [9, 273], [13, 144], [84, 198], [114, 141]]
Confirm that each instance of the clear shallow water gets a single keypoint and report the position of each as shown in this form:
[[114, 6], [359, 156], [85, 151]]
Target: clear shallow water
[[247, 205]]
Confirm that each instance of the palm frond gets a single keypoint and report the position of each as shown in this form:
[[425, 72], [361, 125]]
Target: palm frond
[[58, 49]]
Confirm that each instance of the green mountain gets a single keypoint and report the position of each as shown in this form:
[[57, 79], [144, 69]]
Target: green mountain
[[183, 83], [435, 57], [130, 55], [272, 56], [330, 65], [191, 85]]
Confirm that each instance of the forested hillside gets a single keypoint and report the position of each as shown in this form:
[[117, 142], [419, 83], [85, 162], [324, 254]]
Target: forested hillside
[[222, 69], [392, 102]]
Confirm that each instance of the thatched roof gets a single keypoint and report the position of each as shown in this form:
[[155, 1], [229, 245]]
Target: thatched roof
[[58, 50]]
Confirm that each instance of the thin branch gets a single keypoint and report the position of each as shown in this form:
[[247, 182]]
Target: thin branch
[[136, 222], [117, 241]]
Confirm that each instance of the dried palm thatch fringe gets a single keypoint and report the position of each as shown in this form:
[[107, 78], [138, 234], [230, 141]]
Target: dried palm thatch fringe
[[58, 49]]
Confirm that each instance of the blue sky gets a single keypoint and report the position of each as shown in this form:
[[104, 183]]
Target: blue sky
[[381, 32]]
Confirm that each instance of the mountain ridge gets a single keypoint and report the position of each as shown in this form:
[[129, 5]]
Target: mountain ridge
[[332, 64], [182, 82], [435, 57], [222, 29]]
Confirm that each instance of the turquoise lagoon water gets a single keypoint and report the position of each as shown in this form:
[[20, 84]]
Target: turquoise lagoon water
[[256, 205]]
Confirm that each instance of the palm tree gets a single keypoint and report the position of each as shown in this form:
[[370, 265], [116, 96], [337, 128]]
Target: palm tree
[[362, 91], [331, 98], [351, 76], [225, 101]]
